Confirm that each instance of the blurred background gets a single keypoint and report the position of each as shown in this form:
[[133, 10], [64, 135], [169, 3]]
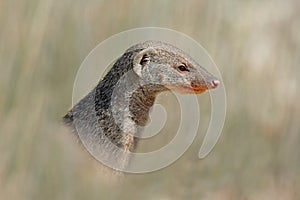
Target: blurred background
[[255, 44]]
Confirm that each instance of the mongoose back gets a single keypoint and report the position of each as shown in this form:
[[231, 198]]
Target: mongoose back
[[112, 115]]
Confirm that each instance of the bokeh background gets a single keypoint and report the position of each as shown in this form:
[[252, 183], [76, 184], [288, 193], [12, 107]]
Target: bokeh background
[[256, 45]]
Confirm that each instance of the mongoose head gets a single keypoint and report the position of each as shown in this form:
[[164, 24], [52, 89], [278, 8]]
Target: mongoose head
[[165, 65]]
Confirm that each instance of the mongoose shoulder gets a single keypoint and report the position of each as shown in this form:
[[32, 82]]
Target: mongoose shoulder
[[115, 111]]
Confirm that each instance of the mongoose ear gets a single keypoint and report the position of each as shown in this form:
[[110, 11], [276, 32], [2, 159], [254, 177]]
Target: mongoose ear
[[141, 59]]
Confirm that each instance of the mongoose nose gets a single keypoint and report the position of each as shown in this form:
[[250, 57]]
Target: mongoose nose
[[215, 83]]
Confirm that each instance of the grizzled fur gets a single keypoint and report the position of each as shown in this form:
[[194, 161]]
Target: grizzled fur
[[115, 111]]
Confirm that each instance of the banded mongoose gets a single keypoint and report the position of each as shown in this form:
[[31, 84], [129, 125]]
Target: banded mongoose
[[115, 111]]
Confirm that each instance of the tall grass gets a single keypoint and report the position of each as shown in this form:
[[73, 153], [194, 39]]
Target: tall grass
[[256, 45]]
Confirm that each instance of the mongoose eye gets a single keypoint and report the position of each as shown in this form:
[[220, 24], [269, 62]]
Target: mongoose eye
[[183, 68], [145, 60]]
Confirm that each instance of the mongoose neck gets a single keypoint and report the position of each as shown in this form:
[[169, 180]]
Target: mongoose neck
[[142, 100]]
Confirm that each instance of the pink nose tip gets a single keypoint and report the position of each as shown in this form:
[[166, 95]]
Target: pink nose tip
[[215, 83]]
